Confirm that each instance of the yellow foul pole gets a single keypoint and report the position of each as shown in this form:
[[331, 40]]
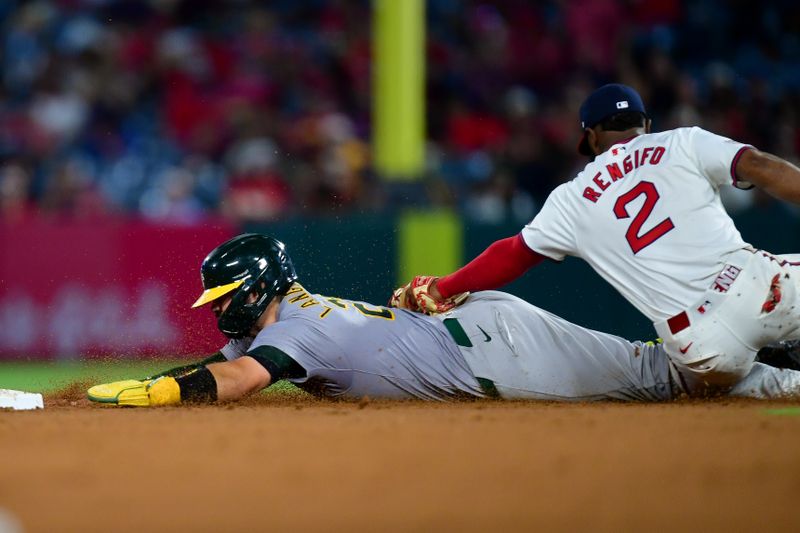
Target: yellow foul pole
[[398, 79]]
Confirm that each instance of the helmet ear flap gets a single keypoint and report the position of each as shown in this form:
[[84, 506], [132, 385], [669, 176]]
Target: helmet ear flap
[[259, 291]]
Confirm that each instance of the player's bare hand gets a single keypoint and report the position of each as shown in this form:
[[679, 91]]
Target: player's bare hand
[[422, 295]]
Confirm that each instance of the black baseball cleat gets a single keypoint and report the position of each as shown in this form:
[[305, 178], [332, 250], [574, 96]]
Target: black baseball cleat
[[783, 354]]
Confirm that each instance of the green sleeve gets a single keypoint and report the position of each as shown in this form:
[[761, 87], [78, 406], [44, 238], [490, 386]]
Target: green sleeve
[[177, 371], [278, 363]]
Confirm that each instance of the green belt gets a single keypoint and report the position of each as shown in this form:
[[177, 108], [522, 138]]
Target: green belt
[[462, 339]]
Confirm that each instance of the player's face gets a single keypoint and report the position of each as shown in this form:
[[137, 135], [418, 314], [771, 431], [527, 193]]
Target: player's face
[[219, 305]]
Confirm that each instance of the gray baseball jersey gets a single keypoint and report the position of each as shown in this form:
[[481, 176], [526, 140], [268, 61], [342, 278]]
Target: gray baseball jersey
[[493, 344]]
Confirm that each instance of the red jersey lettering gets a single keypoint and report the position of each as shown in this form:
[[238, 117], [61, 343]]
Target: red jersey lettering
[[627, 166], [726, 278], [600, 183], [614, 172], [590, 194], [657, 155]]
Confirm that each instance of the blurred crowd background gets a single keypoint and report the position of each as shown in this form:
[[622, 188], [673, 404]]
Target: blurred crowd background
[[181, 111]]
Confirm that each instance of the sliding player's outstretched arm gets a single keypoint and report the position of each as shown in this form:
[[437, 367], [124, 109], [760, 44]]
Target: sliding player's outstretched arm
[[239, 378], [178, 370], [201, 383], [501, 263]]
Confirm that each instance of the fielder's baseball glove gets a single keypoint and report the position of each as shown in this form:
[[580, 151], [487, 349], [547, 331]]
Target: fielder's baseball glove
[[418, 296], [134, 393]]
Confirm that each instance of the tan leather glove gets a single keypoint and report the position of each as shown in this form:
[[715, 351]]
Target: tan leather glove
[[400, 298], [422, 296]]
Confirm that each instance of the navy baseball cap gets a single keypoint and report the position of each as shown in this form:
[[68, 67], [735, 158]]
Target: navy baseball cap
[[602, 103]]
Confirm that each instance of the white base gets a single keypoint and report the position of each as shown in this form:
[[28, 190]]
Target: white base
[[20, 401]]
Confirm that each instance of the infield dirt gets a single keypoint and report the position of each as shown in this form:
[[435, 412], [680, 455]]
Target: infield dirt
[[295, 464]]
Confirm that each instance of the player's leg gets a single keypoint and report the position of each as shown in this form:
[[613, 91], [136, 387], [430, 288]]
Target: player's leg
[[767, 382], [716, 346], [709, 361], [783, 354], [238, 378], [530, 353]]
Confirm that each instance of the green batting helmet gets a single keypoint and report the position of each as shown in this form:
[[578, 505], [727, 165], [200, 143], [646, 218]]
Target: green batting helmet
[[248, 264]]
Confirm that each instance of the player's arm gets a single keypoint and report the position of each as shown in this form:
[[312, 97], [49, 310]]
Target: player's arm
[[217, 381], [774, 175], [137, 392], [260, 368], [233, 380], [178, 370], [196, 385], [204, 383], [501, 263]]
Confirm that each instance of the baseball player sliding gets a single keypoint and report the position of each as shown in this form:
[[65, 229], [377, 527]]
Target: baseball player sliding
[[645, 213], [494, 345]]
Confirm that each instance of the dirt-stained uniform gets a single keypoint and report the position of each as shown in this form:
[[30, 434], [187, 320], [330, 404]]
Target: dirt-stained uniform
[[493, 345]]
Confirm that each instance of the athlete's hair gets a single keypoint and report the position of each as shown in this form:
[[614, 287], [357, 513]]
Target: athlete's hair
[[623, 121]]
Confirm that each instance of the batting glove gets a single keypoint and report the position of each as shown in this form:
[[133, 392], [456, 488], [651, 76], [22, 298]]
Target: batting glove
[[134, 393]]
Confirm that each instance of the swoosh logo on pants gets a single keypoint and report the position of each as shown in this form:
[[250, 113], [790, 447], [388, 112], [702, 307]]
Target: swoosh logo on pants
[[486, 337]]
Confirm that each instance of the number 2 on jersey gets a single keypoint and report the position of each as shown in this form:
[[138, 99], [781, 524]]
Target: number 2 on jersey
[[638, 242]]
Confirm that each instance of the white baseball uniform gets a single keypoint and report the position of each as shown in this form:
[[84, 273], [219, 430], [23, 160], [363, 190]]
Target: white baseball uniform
[[647, 216]]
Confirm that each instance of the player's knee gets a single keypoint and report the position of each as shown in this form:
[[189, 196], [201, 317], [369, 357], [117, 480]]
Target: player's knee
[[716, 372]]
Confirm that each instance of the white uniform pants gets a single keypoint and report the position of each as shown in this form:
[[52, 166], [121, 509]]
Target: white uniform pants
[[753, 302]]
